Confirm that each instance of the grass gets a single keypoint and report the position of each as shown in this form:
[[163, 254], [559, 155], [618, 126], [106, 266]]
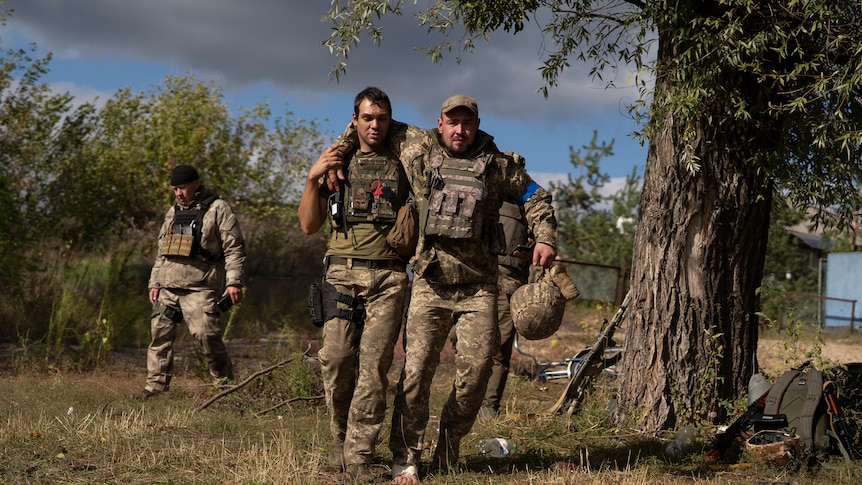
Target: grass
[[63, 427]]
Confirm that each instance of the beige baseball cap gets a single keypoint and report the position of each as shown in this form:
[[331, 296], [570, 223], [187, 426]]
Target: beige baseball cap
[[458, 101]]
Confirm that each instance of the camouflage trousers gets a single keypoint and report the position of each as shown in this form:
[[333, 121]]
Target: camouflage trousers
[[355, 376], [203, 319], [433, 311], [503, 356]]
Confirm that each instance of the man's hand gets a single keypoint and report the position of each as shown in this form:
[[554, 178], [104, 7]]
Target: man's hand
[[154, 293], [544, 254], [312, 207], [235, 293], [330, 163], [335, 175], [334, 178]]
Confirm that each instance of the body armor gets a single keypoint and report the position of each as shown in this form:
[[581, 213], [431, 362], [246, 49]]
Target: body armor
[[456, 197], [185, 236], [372, 190]]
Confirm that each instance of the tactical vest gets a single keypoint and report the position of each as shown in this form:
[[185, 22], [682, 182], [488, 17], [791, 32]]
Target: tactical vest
[[372, 189], [515, 230], [185, 236], [456, 203]]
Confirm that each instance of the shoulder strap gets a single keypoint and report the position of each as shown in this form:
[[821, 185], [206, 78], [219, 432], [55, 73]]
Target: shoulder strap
[[814, 383], [205, 254], [208, 201]]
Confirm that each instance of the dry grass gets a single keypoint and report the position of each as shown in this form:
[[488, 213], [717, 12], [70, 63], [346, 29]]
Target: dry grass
[[67, 428]]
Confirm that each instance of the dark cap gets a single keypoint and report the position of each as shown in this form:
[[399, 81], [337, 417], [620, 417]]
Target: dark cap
[[183, 174], [460, 101]]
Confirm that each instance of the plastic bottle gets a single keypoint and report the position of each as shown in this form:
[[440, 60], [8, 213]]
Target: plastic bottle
[[495, 448], [681, 442]]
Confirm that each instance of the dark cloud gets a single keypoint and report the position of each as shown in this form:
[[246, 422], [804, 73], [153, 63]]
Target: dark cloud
[[247, 42]]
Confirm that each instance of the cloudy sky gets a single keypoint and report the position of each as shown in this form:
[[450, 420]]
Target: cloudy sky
[[270, 50]]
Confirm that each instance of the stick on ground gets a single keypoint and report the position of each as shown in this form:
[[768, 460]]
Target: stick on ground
[[246, 381]]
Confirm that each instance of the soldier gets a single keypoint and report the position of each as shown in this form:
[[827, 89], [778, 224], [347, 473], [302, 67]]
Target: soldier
[[514, 269], [201, 259], [365, 281], [464, 179]]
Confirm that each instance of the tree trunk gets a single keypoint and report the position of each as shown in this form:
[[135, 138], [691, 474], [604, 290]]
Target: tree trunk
[[691, 328]]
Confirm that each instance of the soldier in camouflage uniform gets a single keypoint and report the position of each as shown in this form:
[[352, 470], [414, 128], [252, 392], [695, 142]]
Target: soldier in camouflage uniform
[[364, 285], [464, 180], [201, 258], [514, 269]]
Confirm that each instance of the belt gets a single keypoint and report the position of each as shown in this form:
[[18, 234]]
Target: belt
[[392, 264]]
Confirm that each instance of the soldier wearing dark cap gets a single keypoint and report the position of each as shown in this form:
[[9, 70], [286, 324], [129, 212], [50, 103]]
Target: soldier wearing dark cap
[[200, 261]]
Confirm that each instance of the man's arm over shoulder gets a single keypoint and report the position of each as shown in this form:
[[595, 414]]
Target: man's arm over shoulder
[[407, 142]]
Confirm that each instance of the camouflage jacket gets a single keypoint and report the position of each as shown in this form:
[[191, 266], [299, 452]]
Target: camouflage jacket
[[459, 261], [221, 234]]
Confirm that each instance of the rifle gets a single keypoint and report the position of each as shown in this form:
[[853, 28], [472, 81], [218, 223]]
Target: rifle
[[725, 439], [575, 387], [841, 429]]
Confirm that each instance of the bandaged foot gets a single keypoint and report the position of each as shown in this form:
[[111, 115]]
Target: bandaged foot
[[405, 474]]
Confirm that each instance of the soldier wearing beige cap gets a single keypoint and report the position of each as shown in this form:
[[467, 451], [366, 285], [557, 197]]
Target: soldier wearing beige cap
[[461, 180]]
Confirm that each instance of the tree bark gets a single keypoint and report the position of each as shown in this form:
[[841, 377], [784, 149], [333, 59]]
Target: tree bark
[[699, 251]]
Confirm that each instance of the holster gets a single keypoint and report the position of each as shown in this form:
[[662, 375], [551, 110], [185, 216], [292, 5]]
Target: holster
[[331, 297], [315, 305]]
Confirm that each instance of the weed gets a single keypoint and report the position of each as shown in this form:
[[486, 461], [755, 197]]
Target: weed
[[80, 428]]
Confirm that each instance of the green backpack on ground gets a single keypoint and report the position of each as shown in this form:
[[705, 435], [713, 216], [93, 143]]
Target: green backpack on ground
[[798, 396], [804, 403]]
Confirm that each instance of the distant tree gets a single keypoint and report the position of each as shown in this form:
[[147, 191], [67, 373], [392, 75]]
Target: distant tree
[[38, 130], [595, 226], [83, 190], [747, 96], [117, 181]]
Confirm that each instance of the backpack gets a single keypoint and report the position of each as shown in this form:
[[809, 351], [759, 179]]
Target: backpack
[[795, 405], [805, 404]]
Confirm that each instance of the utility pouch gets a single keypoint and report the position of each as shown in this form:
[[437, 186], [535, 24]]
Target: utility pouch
[[173, 314], [177, 245], [769, 421], [404, 234], [315, 305]]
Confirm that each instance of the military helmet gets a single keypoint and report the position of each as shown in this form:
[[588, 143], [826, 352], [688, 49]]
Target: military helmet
[[537, 307], [772, 447]]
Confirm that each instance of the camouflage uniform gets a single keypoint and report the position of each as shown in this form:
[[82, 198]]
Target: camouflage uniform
[[455, 284], [513, 273], [355, 357], [193, 286]]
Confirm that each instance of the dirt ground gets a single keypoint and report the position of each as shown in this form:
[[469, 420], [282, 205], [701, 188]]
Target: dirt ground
[[578, 331]]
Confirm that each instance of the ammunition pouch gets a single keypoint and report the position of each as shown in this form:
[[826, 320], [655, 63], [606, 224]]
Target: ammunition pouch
[[177, 245]]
